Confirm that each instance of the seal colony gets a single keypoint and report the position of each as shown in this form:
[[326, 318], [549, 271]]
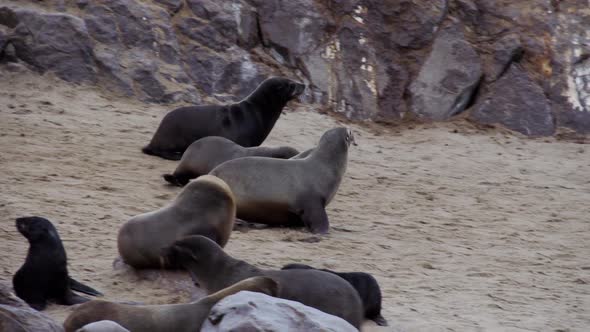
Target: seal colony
[[44, 275], [233, 177], [246, 123]]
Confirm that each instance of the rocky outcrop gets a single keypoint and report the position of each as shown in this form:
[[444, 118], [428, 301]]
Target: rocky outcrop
[[380, 60], [249, 311], [16, 315]]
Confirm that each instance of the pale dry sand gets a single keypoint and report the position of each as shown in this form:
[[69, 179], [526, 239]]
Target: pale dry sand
[[465, 230]]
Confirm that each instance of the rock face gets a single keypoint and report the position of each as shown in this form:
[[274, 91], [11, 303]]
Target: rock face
[[518, 103], [249, 311], [17, 316], [379, 60]]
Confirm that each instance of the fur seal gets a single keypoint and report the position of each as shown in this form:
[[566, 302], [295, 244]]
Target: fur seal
[[365, 284], [172, 317], [293, 191], [206, 207], [208, 152], [44, 275], [213, 269], [246, 123]]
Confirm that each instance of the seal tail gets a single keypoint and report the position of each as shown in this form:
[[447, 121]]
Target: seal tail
[[80, 287], [170, 155], [380, 320]]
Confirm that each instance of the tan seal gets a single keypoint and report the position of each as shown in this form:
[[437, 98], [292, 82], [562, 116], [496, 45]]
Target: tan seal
[[213, 269], [209, 152], [163, 318], [293, 191], [206, 207]]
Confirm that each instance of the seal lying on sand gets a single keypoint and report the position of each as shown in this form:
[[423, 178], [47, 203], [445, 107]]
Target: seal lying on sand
[[212, 269], [205, 207], [44, 276], [293, 191], [246, 123], [171, 317], [364, 283], [207, 153]]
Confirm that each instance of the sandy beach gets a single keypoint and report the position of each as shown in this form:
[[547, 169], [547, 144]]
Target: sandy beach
[[465, 229]]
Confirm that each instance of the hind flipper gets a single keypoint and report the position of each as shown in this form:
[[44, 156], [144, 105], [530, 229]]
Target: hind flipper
[[170, 155], [379, 320], [80, 287]]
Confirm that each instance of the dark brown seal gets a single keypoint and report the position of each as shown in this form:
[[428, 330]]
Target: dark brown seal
[[290, 192], [164, 318], [365, 284], [44, 276], [205, 207], [212, 269], [209, 152], [246, 123]]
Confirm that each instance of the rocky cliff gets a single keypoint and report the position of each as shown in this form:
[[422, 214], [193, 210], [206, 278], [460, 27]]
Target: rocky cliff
[[522, 64]]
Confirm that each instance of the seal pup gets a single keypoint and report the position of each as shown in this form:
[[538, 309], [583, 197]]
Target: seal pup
[[44, 275], [206, 207], [171, 317], [212, 269], [246, 123], [365, 284], [206, 153], [293, 191]]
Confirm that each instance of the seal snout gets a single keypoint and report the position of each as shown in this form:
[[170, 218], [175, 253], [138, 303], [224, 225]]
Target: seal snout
[[298, 90]]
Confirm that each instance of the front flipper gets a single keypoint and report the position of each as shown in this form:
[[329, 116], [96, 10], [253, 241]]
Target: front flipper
[[313, 214], [70, 298], [80, 287]]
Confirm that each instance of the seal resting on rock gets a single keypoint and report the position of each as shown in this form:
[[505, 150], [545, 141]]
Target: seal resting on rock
[[206, 206], [246, 123], [212, 269], [365, 284], [290, 191], [208, 152], [44, 275], [172, 317]]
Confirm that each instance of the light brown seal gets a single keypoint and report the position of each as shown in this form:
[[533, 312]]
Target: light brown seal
[[290, 192], [209, 152], [213, 269], [155, 318], [206, 207], [247, 122]]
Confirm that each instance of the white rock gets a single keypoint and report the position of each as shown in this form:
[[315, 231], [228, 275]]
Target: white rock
[[103, 326], [249, 311]]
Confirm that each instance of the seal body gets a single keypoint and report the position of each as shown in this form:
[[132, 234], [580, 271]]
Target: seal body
[[206, 207], [155, 318], [293, 191], [213, 270], [246, 123], [44, 275], [365, 284], [206, 153]]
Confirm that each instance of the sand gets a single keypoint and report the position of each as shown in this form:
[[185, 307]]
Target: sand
[[465, 229]]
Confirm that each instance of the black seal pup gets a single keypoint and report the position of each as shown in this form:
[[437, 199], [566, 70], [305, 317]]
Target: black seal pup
[[290, 192], [44, 276], [365, 284], [212, 269], [246, 123], [207, 153]]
